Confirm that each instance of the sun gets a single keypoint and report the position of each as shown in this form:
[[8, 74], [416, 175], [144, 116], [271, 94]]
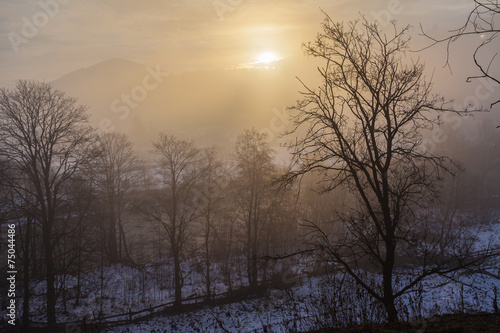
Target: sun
[[267, 57]]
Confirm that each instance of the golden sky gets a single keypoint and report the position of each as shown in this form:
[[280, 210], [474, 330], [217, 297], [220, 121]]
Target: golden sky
[[45, 39]]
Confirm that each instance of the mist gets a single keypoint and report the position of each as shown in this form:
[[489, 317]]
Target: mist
[[244, 166]]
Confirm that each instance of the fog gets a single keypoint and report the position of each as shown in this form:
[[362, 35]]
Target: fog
[[248, 165]]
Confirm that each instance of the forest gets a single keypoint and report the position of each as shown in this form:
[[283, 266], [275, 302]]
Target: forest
[[385, 208]]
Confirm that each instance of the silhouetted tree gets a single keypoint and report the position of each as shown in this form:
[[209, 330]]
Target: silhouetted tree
[[116, 171], [362, 131], [45, 136], [254, 167], [14, 209], [173, 202], [210, 195]]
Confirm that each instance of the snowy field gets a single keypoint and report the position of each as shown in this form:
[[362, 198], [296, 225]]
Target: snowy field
[[301, 309], [308, 305]]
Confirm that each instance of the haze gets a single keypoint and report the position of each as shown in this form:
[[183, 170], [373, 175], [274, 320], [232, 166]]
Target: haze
[[99, 51], [195, 201]]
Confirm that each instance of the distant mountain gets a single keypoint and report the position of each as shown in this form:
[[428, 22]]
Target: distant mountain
[[112, 68], [210, 106]]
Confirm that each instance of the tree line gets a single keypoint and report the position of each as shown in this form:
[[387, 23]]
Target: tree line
[[69, 188], [359, 141]]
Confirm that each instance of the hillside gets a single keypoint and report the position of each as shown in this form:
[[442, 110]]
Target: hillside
[[142, 100]]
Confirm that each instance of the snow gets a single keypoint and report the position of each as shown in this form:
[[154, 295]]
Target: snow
[[299, 308], [303, 307], [280, 310]]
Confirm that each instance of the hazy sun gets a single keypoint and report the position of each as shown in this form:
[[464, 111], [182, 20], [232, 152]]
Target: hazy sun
[[267, 57]]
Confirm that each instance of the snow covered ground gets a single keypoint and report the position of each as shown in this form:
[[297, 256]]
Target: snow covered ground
[[306, 306], [301, 309]]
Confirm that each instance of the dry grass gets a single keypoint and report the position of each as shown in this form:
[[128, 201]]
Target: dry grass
[[455, 323]]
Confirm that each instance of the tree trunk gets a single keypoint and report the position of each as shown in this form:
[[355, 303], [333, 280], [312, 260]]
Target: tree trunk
[[250, 259], [249, 252], [208, 285], [392, 313], [112, 245], [207, 257], [79, 266], [388, 267], [26, 275], [255, 276], [177, 278], [50, 275], [124, 242]]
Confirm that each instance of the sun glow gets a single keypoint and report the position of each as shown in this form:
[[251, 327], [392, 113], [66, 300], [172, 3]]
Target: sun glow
[[267, 57]]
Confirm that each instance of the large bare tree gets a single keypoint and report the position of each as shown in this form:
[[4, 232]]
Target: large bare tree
[[210, 195], [362, 131], [173, 201], [45, 136], [116, 171], [254, 167]]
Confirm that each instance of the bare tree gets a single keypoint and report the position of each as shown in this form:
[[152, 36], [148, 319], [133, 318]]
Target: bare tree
[[174, 206], [210, 194], [225, 243], [363, 132], [4, 195], [255, 168], [45, 136], [482, 21], [13, 209], [116, 171]]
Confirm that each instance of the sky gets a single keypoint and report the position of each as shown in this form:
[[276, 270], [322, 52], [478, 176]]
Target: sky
[[46, 39]]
